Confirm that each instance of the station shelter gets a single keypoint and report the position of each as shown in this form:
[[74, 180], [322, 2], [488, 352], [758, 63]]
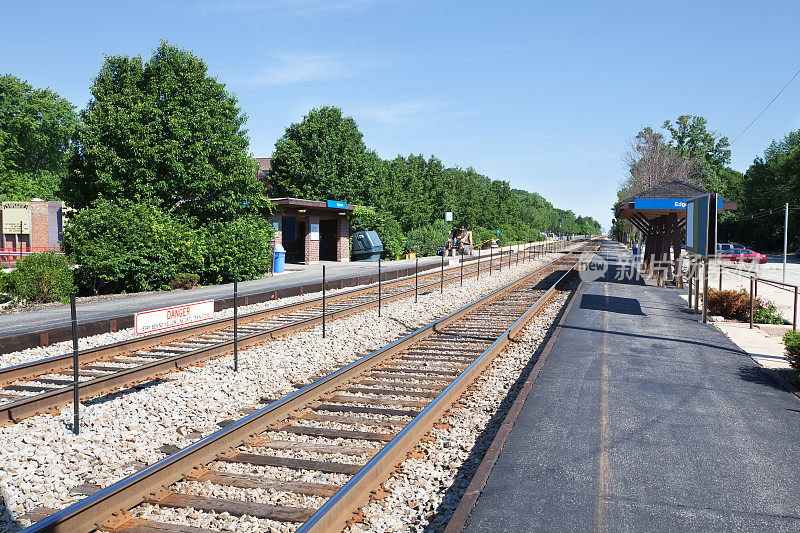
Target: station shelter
[[312, 231], [659, 213]]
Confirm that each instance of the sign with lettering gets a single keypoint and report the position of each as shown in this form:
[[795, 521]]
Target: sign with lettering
[[337, 204], [664, 203], [173, 317], [16, 218]]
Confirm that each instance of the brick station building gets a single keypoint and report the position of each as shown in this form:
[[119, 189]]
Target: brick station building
[[312, 231], [31, 226]]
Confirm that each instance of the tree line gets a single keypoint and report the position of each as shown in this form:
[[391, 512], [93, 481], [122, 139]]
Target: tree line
[[158, 167], [324, 156]]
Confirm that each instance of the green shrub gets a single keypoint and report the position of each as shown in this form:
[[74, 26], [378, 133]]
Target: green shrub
[[791, 339], [129, 246], [426, 240], [387, 227], [481, 236], [766, 312], [184, 281], [39, 278], [241, 247]]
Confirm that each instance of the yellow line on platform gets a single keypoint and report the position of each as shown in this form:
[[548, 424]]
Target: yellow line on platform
[[604, 463]]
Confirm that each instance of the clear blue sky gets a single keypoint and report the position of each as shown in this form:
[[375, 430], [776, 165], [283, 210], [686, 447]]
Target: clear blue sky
[[542, 94]]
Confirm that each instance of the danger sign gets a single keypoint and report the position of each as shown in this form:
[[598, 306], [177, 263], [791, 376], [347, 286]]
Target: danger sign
[[171, 317]]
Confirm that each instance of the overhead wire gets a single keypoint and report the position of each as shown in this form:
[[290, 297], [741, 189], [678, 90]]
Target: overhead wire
[[766, 107]]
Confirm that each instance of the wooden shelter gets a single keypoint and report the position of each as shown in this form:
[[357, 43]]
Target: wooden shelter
[[659, 213]]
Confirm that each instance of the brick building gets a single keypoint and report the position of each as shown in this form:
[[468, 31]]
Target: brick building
[[31, 226], [312, 231]]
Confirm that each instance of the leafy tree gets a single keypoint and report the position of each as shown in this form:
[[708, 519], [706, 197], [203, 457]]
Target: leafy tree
[[164, 133], [35, 128], [323, 156], [385, 225], [426, 240], [39, 278], [130, 246], [241, 247]]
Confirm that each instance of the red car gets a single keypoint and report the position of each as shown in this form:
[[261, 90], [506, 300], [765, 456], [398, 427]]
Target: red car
[[744, 255]]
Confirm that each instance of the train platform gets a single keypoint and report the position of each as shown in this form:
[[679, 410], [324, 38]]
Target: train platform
[[91, 309], [642, 418]]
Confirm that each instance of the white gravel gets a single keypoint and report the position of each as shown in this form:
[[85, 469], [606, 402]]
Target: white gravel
[[425, 491], [42, 459]]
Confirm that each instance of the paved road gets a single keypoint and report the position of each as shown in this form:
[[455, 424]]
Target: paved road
[[643, 419], [126, 305]]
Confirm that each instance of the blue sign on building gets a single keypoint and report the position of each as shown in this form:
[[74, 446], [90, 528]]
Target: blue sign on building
[[664, 203], [336, 204]]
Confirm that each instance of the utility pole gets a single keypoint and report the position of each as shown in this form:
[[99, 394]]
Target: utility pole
[[785, 237]]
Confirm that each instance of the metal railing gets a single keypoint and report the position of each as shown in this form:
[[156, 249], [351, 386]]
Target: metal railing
[[9, 256]]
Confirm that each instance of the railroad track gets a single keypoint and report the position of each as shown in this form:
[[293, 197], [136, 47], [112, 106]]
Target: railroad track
[[316, 454], [39, 386]]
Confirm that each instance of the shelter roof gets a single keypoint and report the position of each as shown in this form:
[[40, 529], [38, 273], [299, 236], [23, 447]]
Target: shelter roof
[[663, 199]]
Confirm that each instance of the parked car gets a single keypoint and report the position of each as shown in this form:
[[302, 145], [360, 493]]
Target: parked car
[[723, 247], [744, 255]]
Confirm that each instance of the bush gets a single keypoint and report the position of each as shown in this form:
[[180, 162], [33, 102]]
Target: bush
[[184, 281], [387, 227], [426, 240], [241, 247], [735, 305], [130, 247], [791, 339], [481, 235], [39, 278], [766, 312]]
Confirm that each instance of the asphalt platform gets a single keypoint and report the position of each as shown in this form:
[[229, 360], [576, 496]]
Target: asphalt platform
[[644, 419], [121, 305]]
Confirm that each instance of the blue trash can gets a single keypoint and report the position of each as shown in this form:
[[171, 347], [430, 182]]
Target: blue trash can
[[279, 260]]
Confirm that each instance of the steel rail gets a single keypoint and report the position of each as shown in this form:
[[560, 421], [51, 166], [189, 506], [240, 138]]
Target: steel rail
[[90, 513], [57, 363], [31, 405], [335, 513]]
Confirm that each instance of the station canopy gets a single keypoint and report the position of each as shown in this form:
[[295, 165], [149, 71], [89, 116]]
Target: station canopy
[[667, 199], [659, 213]]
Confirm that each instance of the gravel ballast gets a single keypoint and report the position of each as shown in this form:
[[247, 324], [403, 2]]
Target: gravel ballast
[[43, 460]]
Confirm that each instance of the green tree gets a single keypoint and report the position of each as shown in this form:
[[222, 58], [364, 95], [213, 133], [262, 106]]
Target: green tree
[[167, 134], [385, 225], [35, 128], [323, 156], [129, 246]]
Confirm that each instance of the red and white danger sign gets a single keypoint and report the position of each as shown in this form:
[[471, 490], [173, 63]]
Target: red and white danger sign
[[172, 317]]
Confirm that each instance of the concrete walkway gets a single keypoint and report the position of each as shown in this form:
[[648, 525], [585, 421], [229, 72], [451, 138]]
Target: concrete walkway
[[90, 309], [645, 419], [121, 305]]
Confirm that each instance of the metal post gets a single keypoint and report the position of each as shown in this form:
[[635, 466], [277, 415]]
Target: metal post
[[323, 301], [696, 289], [751, 303], [379, 286], [785, 237], [500, 262], [705, 290], [794, 315], [720, 276], [491, 256], [478, 273], [690, 284], [462, 270], [236, 323], [441, 278], [76, 427], [416, 280]]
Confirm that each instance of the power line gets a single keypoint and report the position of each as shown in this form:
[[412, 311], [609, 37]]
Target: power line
[[767, 107]]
